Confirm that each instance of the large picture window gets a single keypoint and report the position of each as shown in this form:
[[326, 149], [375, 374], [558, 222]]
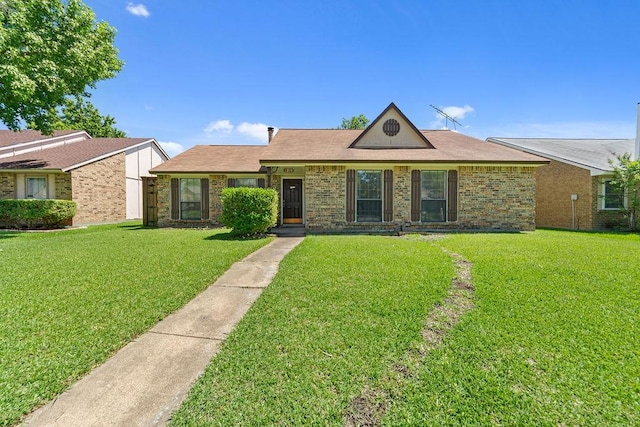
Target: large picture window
[[433, 196], [612, 196], [190, 198], [36, 187], [369, 196]]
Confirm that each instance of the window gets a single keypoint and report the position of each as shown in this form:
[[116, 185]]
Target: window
[[433, 199], [36, 187], [612, 196], [190, 198], [247, 182], [369, 196]]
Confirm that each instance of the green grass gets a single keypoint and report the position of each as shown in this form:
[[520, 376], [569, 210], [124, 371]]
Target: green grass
[[70, 299], [340, 311], [554, 338]]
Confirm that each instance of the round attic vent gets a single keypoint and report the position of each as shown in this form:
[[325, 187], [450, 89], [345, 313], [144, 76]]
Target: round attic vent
[[391, 127]]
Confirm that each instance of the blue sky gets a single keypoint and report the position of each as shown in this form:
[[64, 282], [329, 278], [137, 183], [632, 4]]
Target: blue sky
[[219, 72]]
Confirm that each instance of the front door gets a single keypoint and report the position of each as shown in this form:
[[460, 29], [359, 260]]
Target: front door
[[292, 201]]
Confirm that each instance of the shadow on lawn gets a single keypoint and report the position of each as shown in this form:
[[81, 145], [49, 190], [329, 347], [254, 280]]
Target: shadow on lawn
[[8, 234], [234, 237]]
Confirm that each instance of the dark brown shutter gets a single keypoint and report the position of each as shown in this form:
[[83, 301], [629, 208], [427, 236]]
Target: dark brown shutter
[[231, 182], [388, 195], [415, 195], [260, 182], [175, 198], [351, 195], [452, 199], [204, 198]]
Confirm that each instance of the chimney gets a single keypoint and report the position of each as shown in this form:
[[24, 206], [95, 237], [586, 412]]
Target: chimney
[[636, 154], [270, 132]]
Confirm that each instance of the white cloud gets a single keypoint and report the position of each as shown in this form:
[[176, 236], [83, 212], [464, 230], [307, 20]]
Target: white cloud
[[138, 10], [254, 130], [452, 111], [171, 148], [224, 126], [225, 132]]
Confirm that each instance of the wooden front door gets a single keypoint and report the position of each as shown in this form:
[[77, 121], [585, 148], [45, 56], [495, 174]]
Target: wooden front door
[[292, 201]]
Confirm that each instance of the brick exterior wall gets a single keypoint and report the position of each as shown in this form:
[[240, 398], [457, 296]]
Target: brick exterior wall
[[63, 186], [7, 185], [99, 189], [216, 184], [401, 194], [325, 194], [605, 219], [555, 183], [489, 198], [496, 198]]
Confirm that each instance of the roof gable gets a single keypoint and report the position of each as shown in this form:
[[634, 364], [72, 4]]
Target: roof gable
[[391, 129]]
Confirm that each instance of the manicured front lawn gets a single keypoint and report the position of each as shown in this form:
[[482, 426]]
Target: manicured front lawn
[[337, 315], [553, 337], [70, 299]]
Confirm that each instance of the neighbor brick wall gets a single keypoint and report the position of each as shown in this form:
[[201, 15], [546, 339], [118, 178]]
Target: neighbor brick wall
[[496, 198], [7, 185], [325, 193], [63, 186], [555, 183], [605, 219], [99, 189]]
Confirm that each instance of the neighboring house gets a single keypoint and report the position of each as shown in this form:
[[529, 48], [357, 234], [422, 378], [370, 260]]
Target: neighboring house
[[574, 191], [389, 177], [102, 175]]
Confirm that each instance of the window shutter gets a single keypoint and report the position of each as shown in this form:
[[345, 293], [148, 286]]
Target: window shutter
[[452, 199], [204, 198], [351, 195], [175, 198], [260, 182], [231, 182], [415, 195], [388, 195]]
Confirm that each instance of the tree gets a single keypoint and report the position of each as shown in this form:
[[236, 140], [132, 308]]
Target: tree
[[355, 122], [79, 114], [50, 50], [626, 176]]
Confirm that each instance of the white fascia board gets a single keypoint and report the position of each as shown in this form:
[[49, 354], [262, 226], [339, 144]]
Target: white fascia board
[[104, 156]]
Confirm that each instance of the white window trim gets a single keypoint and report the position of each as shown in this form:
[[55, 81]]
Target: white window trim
[[46, 185], [602, 195], [180, 200]]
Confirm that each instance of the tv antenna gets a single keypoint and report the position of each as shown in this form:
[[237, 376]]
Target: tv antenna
[[447, 118]]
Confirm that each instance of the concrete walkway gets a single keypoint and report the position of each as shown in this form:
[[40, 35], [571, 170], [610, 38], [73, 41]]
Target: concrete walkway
[[146, 380]]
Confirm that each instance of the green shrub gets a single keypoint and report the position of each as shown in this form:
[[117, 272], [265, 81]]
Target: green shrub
[[249, 211], [36, 213]]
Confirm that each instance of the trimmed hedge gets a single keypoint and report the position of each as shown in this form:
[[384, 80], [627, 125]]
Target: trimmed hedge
[[249, 211], [36, 213]]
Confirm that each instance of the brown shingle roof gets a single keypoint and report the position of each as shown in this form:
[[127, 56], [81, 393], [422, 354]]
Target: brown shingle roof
[[215, 158], [332, 145], [68, 157], [9, 137]]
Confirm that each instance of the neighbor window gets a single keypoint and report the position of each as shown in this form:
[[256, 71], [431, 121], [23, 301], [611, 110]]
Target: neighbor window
[[433, 191], [190, 198], [612, 196], [369, 196], [36, 187]]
